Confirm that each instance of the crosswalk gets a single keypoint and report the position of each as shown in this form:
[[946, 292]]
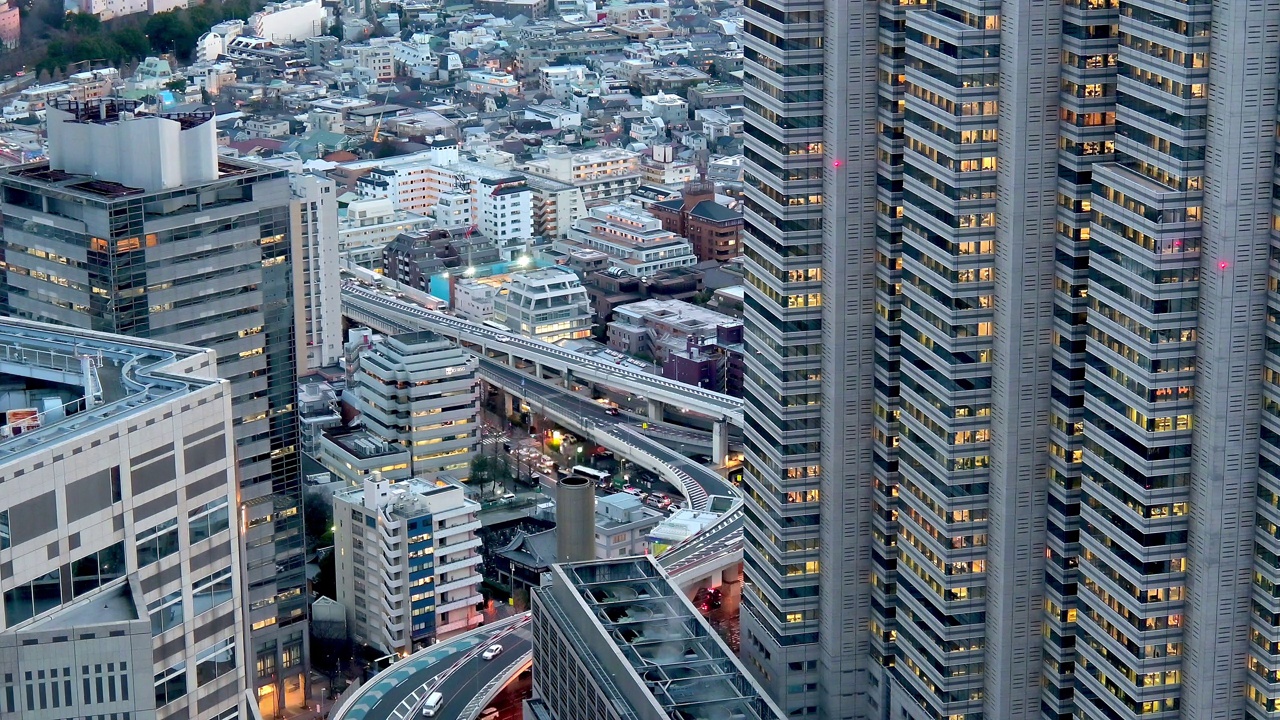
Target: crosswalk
[[496, 439]]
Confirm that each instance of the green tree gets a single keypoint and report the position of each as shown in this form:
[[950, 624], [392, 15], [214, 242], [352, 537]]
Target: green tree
[[132, 40], [168, 31], [82, 23], [179, 85]]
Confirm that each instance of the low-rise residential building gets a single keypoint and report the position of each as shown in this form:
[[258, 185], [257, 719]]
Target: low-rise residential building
[[491, 83], [623, 524], [375, 56], [661, 167], [635, 241], [669, 79], [556, 206], [10, 25], [559, 81], [421, 391], [653, 327], [604, 175], [673, 109], [317, 411], [290, 21], [548, 304], [714, 230], [366, 226], [473, 299], [408, 561]]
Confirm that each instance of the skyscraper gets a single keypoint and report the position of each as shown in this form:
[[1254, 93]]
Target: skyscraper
[[1039, 479], [135, 226]]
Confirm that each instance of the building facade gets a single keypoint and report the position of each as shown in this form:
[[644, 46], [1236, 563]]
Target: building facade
[[634, 240], [1044, 432], [314, 234], [154, 236], [548, 304], [366, 226], [118, 538], [421, 391], [603, 175], [408, 568], [715, 231]]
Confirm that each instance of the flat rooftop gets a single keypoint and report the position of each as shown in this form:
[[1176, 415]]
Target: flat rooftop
[[364, 444], [674, 653], [128, 376]]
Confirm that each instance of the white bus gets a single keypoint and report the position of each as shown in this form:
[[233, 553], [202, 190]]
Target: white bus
[[597, 475]]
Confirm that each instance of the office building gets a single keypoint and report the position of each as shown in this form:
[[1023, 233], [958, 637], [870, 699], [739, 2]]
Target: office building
[[119, 549], [421, 391], [353, 454], [1044, 432], [408, 566], [714, 229], [615, 639], [154, 236], [549, 304]]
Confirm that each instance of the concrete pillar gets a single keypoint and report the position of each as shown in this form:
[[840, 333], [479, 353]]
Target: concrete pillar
[[655, 410], [719, 441], [537, 370], [567, 379], [511, 360]]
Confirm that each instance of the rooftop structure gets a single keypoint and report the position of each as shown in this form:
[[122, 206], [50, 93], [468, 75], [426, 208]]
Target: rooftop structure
[[615, 639]]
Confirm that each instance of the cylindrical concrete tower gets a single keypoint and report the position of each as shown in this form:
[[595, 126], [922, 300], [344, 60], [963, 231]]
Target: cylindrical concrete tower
[[575, 520]]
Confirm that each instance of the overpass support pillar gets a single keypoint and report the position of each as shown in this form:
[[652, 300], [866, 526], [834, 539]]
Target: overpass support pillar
[[567, 379], [511, 360], [537, 370], [719, 441], [655, 410]]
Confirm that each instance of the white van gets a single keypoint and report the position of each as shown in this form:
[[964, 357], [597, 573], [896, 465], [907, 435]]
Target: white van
[[433, 703]]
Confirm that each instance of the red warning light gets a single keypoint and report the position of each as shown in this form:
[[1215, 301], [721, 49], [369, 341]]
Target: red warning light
[[836, 163], [1222, 264]]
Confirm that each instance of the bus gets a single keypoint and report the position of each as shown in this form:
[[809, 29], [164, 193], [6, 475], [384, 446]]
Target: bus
[[598, 475]]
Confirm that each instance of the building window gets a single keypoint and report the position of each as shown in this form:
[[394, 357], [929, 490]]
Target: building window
[[211, 591], [216, 662], [158, 542], [165, 612], [208, 520], [171, 684], [97, 569]]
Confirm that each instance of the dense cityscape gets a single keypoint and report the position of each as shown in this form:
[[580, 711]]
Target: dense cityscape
[[639, 360]]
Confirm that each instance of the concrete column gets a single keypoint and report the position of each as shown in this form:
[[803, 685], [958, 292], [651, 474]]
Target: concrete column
[[719, 441], [537, 370], [567, 379], [655, 410], [511, 360]]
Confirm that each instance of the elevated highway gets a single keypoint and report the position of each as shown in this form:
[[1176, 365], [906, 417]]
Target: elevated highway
[[388, 313]]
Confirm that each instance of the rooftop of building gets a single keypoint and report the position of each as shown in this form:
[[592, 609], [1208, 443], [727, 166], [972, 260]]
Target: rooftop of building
[[40, 177], [363, 444], [67, 382], [414, 497], [673, 653], [685, 315]]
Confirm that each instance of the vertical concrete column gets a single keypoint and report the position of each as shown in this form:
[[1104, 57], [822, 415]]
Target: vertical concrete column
[[567, 379], [655, 410], [719, 441]]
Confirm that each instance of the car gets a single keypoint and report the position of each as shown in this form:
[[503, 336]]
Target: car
[[633, 490], [612, 411], [508, 496], [491, 652]]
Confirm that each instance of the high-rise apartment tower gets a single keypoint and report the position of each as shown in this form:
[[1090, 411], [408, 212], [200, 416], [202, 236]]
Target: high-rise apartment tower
[[1035, 472], [135, 226]]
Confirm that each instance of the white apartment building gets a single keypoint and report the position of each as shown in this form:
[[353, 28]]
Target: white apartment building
[[500, 201], [421, 391], [473, 299], [82, 86], [119, 546], [556, 206], [559, 81], [316, 258], [548, 304], [377, 56], [673, 109], [484, 82], [662, 167], [408, 565], [634, 240], [604, 175], [366, 226], [289, 22]]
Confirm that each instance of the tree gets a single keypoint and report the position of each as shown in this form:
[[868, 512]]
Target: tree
[[317, 519], [168, 31], [82, 23], [178, 85]]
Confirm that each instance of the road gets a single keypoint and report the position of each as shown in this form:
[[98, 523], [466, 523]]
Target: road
[[399, 690], [467, 680], [619, 426]]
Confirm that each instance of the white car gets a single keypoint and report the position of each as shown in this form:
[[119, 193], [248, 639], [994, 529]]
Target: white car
[[491, 652]]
